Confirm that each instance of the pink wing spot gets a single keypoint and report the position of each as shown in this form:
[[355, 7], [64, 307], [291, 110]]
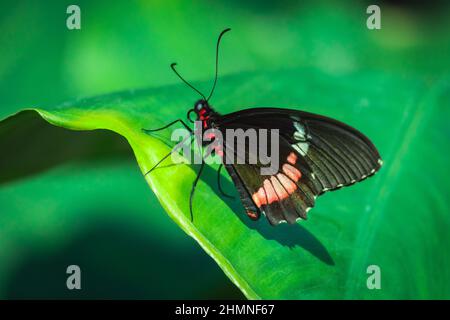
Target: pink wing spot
[[259, 197], [253, 215], [262, 196], [292, 172], [282, 194], [287, 183], [270, 192], [292, 158], [277, 189], [255, 198]]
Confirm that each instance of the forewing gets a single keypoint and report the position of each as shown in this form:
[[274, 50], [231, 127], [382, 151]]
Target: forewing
[[338, 154]]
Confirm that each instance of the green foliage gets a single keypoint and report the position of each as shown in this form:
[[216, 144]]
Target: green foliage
[[397, 219], [70, 197]]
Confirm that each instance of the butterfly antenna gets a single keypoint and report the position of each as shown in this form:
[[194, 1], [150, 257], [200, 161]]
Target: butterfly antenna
[[174, 149], [217, 61], [182, 79]]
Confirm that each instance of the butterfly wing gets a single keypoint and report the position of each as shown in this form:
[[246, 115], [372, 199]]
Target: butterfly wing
[[316, 154], [287, 195]]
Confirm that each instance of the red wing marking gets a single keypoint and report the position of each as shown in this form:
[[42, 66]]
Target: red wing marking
[[287, 183], [270, 192], [292, 172], [292, 158], [278, 187], [281, 192], [259, 197], [253, 215]]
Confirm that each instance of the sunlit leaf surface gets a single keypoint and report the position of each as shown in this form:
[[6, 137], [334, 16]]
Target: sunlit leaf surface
[[397, 220]]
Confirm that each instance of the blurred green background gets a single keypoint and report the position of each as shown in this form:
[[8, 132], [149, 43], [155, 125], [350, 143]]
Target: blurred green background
[[95, 209]]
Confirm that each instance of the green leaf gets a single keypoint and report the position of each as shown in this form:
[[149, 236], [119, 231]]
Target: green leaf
[[71, 197], [397, 220]]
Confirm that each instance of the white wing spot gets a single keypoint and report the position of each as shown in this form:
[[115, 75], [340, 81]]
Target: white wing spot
[[301, 147], [299, 134]]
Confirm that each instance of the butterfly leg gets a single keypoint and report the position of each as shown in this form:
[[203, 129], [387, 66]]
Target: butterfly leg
[[194, 185], [219, 185], [167, 155], [168, 125]]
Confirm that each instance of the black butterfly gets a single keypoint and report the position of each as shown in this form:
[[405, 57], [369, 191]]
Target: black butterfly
[[317, 154]]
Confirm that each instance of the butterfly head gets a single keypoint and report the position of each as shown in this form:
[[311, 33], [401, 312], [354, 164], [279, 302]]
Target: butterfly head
[[202, 110]]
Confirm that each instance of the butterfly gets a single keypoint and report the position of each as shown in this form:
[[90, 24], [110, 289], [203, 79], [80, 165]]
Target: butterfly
[[317, 154]]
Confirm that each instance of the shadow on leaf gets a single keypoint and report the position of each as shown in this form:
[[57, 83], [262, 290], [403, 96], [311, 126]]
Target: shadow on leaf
[[29, 145], [286, 234]]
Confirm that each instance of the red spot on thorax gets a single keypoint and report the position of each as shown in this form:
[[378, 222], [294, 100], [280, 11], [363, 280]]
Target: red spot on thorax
[[203, 117], [217, 148], [219, 151]]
